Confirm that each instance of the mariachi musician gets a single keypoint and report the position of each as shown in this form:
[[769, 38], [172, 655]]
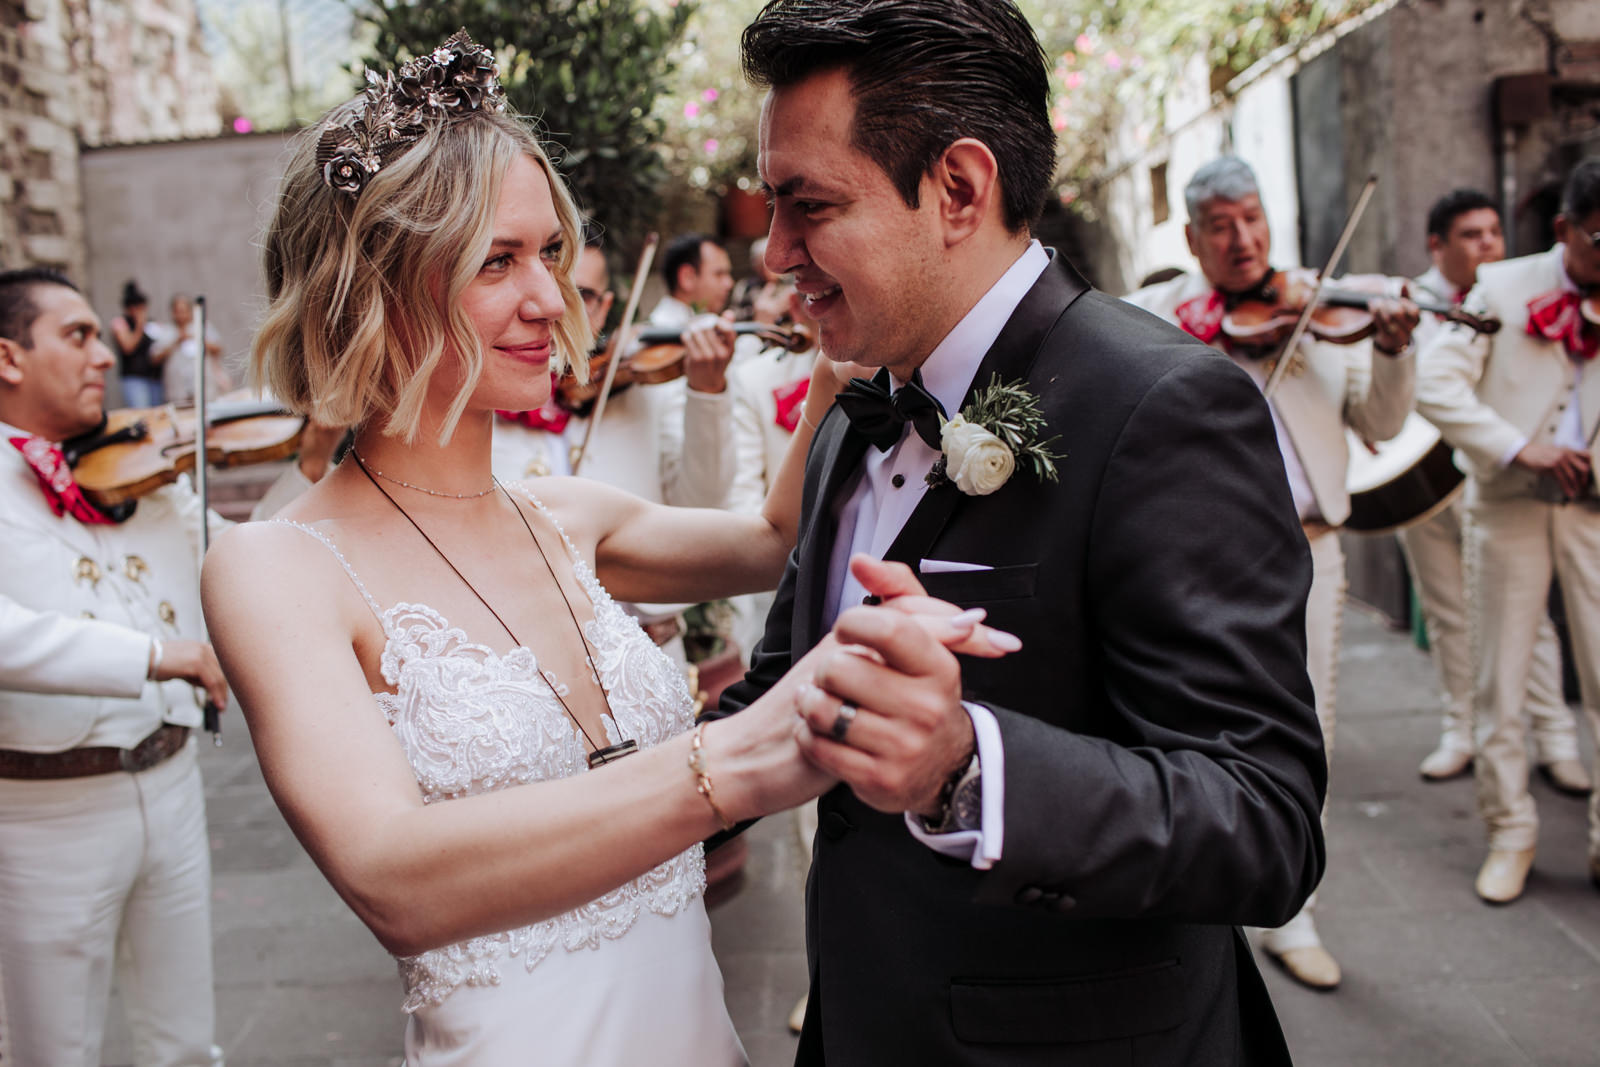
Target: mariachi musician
[[1464, 232], [1366, 386], [1523, 408], [670, 443], [104, 855]]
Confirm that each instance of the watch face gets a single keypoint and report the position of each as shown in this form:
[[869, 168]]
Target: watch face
[[966, 804]]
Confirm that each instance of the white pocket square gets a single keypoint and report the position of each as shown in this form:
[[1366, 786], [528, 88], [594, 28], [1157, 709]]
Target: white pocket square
[[948, 566]]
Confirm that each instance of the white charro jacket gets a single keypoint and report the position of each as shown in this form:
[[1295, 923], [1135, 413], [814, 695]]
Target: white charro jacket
[[1487, 393], [1341, 385], [140, 576]]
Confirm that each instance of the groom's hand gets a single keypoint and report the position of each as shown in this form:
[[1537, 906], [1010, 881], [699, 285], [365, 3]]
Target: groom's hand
[[910, 731]]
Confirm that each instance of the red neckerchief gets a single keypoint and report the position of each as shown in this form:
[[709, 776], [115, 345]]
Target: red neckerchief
[[61, 489], [790, 400], [1556, 316], [550, 416], [1201, 317]]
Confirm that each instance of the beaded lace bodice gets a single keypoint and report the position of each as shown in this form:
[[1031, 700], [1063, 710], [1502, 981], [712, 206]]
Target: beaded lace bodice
[[472, 721]]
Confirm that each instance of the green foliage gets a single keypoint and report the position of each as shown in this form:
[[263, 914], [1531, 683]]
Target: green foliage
[[1010, 412], [1116, 61], [711, 111], [589, 71]]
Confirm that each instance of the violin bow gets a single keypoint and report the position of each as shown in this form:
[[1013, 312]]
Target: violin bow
[[1286, 353], [646, 257], [212, 714]]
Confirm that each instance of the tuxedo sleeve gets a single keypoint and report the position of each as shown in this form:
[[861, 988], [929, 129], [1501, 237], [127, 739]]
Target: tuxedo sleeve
[[771, 657], [1200, 798]]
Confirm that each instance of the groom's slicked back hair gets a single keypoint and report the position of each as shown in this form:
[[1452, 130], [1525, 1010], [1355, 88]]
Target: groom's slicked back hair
[[924, 73]]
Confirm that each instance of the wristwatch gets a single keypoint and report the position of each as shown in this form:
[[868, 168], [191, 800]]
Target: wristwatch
[[960, 801]]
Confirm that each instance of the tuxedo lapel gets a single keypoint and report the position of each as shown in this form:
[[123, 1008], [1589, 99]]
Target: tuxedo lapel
[[1010, 358], [841, 450]]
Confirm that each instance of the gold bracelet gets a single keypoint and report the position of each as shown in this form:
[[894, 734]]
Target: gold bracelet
[[702, 776]]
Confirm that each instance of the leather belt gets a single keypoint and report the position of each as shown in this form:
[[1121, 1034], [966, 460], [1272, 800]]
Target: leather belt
[[87, 762], [1315, 528]]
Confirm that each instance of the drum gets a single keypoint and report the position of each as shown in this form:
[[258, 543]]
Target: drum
[[1408, 479]]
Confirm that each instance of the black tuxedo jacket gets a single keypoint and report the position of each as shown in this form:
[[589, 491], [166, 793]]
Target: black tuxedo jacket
[[1164, 770]]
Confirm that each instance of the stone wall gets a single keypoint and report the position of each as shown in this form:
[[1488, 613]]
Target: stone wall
[[87, 72], [1407, 95], [184, 218]]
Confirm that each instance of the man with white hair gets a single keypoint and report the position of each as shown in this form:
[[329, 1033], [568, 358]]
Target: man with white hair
[[1366, 386]]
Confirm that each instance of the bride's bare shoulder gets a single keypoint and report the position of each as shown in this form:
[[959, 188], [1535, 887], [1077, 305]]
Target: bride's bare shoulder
[[265, 553], [586, 509]]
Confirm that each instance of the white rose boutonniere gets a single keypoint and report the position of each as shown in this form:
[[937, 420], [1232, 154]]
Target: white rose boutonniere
[[982, 446], [975, 459]]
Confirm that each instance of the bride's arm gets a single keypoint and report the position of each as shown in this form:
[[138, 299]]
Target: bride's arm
[[650, 553], [285, 622]]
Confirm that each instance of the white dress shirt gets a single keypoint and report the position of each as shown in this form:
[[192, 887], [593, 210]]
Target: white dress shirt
[[1305, 499], [886, 491]]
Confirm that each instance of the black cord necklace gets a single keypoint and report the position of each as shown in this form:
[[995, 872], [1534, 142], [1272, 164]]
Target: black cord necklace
[[598, 755]]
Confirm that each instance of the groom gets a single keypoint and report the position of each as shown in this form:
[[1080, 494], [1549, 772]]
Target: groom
[[1040, 858]]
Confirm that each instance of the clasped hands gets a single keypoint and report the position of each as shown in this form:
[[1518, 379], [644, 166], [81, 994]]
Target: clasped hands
[[891, 670]]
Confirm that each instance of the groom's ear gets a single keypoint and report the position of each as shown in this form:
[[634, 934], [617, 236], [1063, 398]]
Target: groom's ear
[[966, 185]]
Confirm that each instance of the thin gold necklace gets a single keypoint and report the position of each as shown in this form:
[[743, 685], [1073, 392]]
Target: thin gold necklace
[[597, 755], [365, 466]]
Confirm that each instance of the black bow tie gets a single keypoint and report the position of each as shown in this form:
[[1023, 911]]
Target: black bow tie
[[880, 416]]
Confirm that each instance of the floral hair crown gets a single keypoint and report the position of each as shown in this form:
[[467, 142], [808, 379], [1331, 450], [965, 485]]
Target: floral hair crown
[[455, 79]]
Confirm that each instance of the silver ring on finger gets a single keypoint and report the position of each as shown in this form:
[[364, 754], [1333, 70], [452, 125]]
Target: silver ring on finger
[[842, 721]]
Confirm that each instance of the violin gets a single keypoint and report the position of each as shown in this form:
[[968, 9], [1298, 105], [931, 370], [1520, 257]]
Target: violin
[[136, 451], [660, 358], [1343, 316]]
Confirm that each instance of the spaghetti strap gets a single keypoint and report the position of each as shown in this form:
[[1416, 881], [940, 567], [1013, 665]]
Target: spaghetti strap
[[592, 588], [355, 578]]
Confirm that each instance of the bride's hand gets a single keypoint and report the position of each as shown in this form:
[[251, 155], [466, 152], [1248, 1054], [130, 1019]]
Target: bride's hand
[[765, 770]]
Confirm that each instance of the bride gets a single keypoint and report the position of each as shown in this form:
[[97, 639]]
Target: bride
[[487, 758]]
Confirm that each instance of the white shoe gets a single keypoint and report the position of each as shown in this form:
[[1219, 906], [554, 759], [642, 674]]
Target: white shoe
[[1312, 966], [1444, 763], [1567, 776], [1504, 875]]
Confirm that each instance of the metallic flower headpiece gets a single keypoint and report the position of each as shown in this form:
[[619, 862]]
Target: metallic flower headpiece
[[455, 79]]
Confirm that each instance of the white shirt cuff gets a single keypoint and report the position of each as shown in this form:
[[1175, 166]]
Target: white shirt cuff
[[981, 847], [1510, 454], [722, 399]]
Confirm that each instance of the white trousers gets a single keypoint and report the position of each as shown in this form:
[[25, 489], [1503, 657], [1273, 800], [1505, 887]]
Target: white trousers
[[1324, 616], [1433, 554], [1513, 549], [102, 877]]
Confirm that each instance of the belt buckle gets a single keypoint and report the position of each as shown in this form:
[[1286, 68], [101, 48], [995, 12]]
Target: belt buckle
[[143, 756], [130, 760]]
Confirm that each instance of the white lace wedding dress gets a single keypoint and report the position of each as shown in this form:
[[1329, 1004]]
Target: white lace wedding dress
[[627, 979]]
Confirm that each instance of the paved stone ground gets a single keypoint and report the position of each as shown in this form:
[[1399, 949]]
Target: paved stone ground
[[1432, 976]]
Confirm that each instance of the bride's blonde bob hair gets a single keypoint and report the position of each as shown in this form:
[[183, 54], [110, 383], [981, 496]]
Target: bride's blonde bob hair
[[364, 291]]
